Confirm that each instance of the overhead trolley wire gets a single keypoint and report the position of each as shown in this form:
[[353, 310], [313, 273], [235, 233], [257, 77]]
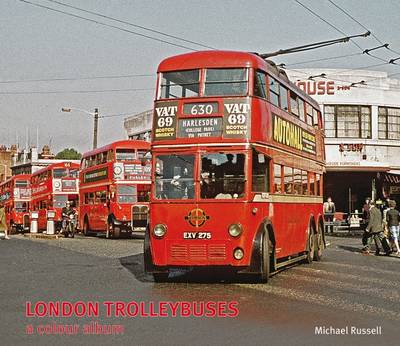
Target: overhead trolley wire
[[73, 91], [362, 25], [131, 24], [335, 28], [108, 25], [74, 79]]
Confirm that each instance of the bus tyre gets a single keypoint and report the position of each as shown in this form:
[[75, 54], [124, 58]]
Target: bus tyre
[[160, 277], [310, 247], [265, 258], [86, 229], [319, 246], [117, 232]]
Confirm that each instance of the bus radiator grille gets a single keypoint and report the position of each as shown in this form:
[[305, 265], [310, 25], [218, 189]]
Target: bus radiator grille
[[198, 252]]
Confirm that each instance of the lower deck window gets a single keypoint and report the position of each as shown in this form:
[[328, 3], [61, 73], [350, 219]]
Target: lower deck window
[[222, 176]]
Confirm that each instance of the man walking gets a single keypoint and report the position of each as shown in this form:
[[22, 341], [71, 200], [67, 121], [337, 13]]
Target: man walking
[[374, 229], [392, 218], [329, 212]]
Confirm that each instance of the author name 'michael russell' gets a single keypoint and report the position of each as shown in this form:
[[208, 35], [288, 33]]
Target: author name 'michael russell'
[[347, 330]]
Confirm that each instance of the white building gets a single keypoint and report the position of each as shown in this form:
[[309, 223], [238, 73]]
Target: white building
[[28, 161], [362, 126], [139, 126]]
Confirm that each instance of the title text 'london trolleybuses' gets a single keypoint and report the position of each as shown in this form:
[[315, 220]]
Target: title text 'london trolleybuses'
[[238, 162]]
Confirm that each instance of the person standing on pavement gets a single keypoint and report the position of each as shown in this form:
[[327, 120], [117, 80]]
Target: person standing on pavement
[[374, 228], [3, 224], [392, 218], [366, 211], [329, 212]]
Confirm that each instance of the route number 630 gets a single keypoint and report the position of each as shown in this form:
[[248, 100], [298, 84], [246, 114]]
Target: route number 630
[[201, 109]]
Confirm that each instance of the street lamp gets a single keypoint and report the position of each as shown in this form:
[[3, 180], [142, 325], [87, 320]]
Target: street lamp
[[95, 115]]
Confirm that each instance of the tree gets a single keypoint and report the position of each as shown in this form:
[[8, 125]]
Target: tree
[[69, 154]]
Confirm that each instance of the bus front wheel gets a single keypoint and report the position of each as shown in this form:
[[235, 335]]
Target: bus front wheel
[[265, 258], [86, 229]]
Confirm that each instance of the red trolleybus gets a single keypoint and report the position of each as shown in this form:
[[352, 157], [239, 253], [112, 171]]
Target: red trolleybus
[[15, 196], [115, 187], [238, 154], [52, 187]]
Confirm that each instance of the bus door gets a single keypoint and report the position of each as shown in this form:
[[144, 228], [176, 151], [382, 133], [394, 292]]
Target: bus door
[[102, 209]]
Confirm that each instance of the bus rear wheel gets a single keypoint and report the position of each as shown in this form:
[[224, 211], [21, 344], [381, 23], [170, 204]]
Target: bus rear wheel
[[160, 277], [265, 258], [319, 245]]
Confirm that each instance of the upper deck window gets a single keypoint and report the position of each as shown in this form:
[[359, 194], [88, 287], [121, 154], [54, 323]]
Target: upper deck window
[[180, 84], [21, 183], [274, 91], [125, 155], [260, 89], [226, 82], [60, 173]]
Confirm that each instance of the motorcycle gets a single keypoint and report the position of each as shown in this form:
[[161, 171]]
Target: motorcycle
[[69, 225]]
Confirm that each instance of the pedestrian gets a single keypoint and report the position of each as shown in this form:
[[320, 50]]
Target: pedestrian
[[3, 224], [366, 211], [329, 212], [374, 229], [392, 218]]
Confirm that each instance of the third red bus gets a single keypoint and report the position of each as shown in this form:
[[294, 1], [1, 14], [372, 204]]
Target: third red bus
[[115, 187]]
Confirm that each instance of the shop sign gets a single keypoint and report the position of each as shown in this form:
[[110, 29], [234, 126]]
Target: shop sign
[[354, 147]]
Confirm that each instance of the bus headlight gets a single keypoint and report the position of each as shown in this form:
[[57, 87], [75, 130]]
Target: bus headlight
[[159, 230], [238, 253], [235, 230]]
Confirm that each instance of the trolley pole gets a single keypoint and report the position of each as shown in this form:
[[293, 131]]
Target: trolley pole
[[95, 127]]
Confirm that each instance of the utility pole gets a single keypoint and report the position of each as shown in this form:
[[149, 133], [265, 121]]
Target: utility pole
[[95, 116], [95, 127]]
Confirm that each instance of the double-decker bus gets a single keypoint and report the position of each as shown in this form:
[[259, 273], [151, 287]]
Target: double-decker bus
[[115, 185], [52, 187], [15, 196], [238, 158]]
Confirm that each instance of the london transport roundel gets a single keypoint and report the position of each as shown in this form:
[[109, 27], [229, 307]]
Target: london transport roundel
[[197, 217]]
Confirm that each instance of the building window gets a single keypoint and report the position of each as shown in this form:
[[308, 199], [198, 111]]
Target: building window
[[347, 121], [389, 123]]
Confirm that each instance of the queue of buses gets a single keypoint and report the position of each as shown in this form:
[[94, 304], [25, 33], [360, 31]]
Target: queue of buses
[[236, 177], [109, 189]]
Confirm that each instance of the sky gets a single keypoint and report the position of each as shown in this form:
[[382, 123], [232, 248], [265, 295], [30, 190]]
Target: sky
[[76, 54]]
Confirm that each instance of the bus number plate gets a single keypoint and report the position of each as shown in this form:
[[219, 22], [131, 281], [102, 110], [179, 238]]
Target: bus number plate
[[196, 235]]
